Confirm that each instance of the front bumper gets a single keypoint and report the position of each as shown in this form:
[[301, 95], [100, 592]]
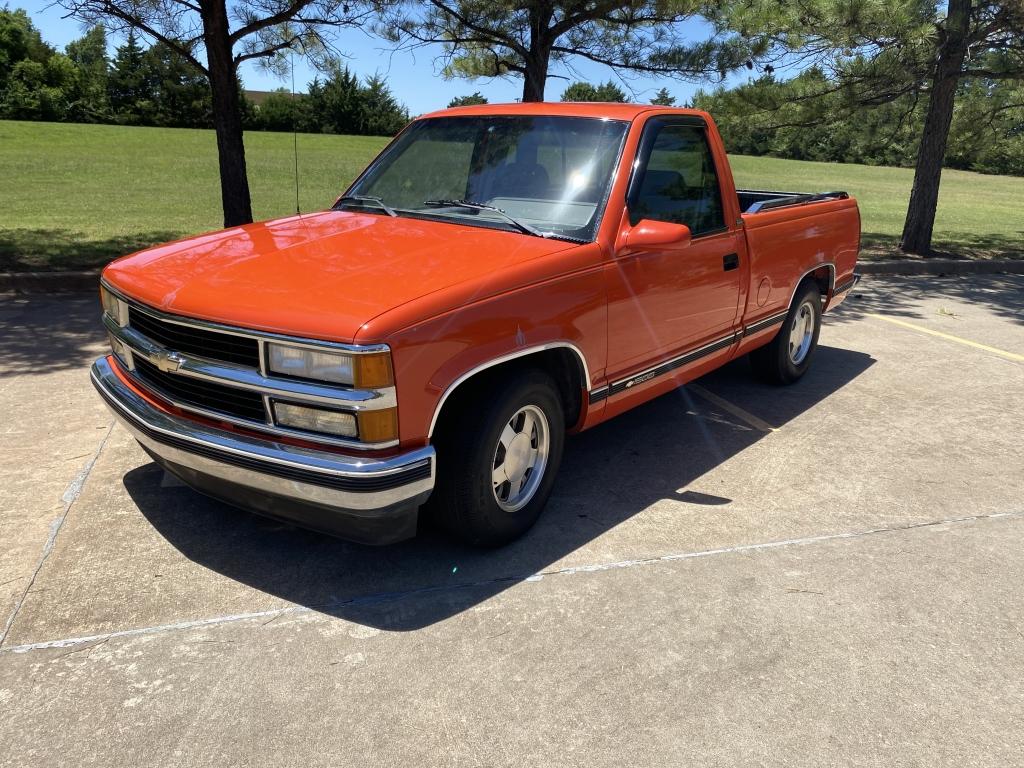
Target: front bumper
[[372, 501]]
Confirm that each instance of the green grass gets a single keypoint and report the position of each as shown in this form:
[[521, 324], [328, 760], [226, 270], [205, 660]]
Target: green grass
[[75, 196]]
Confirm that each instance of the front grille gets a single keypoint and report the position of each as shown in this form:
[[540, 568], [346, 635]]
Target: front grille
[[212, 345], [186, 390]]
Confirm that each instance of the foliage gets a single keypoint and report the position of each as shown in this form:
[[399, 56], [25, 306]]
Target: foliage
[[127, 85], [663, 98], [19, 41], [36, 82], [381, 114], [88, 103], [810, 118], [468, 101], [502, 38], [337, 104], [586, 92], [158, 86], [282, 111]]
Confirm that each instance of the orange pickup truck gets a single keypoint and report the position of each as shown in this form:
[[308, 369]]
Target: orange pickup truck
[[498, 277]]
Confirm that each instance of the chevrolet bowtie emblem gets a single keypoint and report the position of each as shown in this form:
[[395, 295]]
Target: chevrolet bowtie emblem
[[168, 362]]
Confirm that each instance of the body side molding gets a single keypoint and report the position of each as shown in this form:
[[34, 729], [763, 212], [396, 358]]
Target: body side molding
[[671, 364]]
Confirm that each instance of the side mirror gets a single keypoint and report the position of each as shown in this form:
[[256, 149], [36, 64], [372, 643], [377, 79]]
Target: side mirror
[[663, 235]]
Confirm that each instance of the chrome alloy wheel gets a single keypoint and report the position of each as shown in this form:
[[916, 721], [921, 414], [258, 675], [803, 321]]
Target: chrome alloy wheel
[[520, 458], [801, 333]]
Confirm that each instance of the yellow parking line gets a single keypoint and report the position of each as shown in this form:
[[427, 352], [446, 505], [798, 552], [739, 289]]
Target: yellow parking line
[[735, 410], [950, 337]]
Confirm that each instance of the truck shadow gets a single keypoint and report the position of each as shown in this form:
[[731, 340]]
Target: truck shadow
[[45, 334], [609, 475]]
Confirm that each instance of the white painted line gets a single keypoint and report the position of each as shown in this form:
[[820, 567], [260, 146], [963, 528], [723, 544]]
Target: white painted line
[[950, 337], [68, 642], [735, 410], [69, 497], [539, 576]]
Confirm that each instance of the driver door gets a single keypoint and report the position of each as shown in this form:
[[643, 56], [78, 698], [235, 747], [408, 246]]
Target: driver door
[[667, 302]]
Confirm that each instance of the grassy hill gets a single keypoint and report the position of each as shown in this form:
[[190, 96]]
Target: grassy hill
[[74, 196]]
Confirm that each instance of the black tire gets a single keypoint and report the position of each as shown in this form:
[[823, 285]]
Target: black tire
[[774, 362], [465, 501]]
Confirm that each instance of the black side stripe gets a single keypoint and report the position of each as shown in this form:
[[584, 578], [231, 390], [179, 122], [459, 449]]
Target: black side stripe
[[671, 365], [598, 395], [767, 322]]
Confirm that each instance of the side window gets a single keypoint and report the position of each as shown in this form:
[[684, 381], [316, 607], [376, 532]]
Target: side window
[[679, 182]]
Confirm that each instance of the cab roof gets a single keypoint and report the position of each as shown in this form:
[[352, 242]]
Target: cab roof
[[609, 110]]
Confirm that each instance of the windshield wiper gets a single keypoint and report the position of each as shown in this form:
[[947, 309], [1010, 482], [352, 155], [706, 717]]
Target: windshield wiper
[[367, 199], [521, 226]]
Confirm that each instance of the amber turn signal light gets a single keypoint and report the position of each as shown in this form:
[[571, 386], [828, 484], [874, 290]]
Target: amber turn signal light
[[373, 371], [378, 426]]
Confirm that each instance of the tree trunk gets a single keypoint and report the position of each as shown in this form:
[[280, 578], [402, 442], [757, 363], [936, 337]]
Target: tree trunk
[[924, 197], [535, 77], [539, 54], [227, 114]]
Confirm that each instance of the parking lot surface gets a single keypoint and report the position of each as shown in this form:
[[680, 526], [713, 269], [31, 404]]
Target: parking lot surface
[[734, 574]]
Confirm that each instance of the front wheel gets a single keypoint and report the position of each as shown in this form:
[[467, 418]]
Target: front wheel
[[787, 357], [498, 453]]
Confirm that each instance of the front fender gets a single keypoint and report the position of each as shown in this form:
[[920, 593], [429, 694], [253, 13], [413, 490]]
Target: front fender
[[434, 357]]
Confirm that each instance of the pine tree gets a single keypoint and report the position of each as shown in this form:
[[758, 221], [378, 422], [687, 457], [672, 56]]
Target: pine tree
[[130, 89], [468, 101], [382, 114], [586, 92], [663, 98], [180, 95]]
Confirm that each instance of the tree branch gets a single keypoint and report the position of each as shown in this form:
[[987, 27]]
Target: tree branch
[[89, 9], [285, 14]]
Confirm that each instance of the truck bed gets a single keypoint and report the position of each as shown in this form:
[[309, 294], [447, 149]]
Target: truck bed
[[756, 200]]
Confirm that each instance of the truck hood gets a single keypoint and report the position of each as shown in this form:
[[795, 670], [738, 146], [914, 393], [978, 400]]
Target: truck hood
[[320, 275]]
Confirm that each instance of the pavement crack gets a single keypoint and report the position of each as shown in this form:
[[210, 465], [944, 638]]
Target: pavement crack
[[380, 597], [69, 497]]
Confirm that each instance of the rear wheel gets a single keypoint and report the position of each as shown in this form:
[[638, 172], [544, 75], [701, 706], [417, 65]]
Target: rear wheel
[[498, 452], [787, 357]]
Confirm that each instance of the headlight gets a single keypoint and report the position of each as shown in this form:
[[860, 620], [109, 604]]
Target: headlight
[[315, 419], [113, 306], [357, 370]]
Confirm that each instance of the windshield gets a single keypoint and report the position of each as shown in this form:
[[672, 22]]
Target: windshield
[[550, 174]]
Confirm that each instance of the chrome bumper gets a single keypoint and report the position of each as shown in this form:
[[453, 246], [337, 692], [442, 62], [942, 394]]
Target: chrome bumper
[[363, 499]]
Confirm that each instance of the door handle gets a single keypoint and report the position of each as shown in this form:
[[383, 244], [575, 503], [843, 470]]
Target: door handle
[[730, 261]]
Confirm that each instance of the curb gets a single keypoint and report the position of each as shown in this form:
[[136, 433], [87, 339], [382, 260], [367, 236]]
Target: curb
[[941, 267], [89, 280], [50, 282]]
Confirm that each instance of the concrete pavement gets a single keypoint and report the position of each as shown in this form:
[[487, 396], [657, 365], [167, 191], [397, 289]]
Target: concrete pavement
[[731, 575]]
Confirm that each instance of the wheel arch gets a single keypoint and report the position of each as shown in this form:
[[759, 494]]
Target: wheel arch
[[823, 274], [563, 360]]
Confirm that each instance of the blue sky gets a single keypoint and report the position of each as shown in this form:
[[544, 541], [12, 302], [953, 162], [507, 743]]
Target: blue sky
[[414, 76]]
